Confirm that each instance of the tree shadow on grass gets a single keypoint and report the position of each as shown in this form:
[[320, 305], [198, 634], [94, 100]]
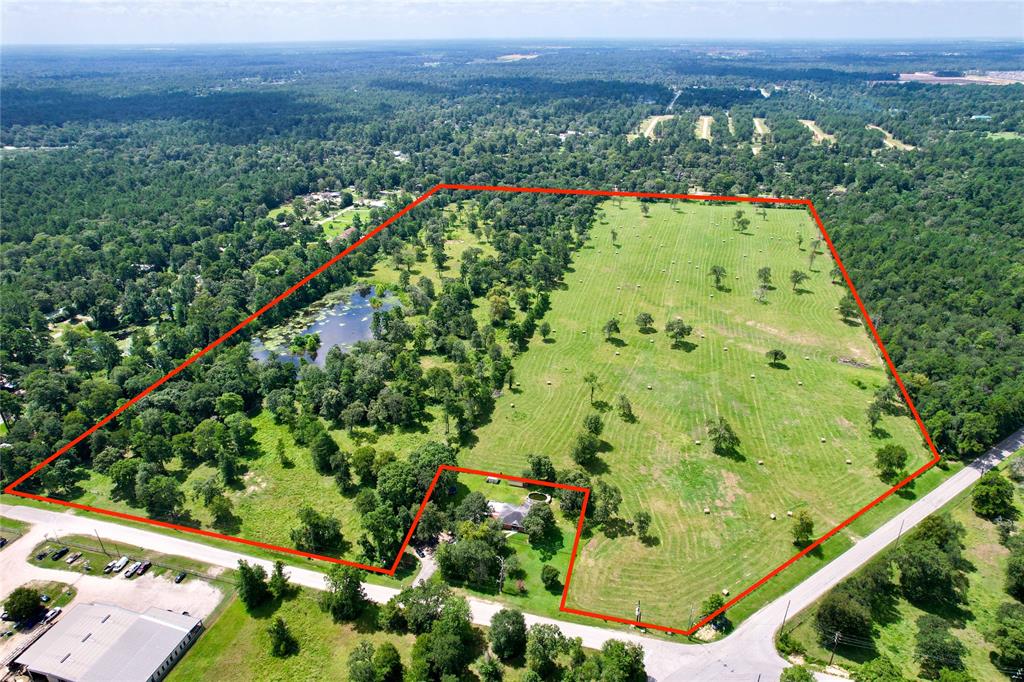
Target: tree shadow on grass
[[597, 467], [616, 341], [731, 453], [616, 527], [648, 330], [850, 323], [601, 406], [880, 433], [685, 346], [800, 291], [650, 540], [366, 623], [779, 365]]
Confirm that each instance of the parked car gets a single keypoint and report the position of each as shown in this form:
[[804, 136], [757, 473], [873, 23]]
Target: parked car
[[51, 614], [44, 598], [119, 564], [419, 552], [58, 553], [87, 566], [144, 567], [132, 569], [5, 616], [3, 542], [110, 566], [42, 555], [181, 576], [73, 558]]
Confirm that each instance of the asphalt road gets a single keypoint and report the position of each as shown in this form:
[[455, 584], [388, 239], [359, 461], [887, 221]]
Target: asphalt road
[[747, 654]]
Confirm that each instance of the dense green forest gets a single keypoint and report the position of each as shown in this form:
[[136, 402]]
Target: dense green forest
[[137, 188]]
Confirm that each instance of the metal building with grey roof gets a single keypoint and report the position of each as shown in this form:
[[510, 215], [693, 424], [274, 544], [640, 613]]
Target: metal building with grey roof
[[106, 643]]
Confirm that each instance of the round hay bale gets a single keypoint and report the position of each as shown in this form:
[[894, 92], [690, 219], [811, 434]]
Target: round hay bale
[[772, 515], [823, 440], [799, 383], [849, 461], [789, 513], [549, 382], [752, 376], [760, 462], [707, 510], [650, 388], [616, 352], [697, 442], [725, 593]]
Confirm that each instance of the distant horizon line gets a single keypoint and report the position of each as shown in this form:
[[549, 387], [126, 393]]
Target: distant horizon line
[[527, 41]]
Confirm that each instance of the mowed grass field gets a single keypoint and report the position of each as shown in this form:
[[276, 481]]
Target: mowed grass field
[[660, 265]]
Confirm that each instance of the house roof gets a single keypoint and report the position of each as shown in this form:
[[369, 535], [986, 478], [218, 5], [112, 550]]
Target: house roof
[[509, 513]]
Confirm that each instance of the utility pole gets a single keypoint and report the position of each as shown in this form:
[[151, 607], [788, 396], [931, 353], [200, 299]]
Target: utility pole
[[104, 549], [900, 533], [785, 615], [835, 643]]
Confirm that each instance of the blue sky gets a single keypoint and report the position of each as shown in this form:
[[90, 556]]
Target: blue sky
[[230, 21]]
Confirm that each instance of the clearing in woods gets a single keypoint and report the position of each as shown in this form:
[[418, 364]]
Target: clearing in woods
[[762, 134], [648, 125], [819, 134], [703, 128], [803, 418], [890, 141]]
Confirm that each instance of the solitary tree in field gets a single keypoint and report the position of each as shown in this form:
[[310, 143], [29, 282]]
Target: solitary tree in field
[[836, 274], [626, 409], [644, 321], [723, 439], [710, 605], [993, 496], [677, 330], [890, 460], [545, 330], [874, 413], [798, 277], [610, 327], [282, 642], [764, 276], [761, 294], [848, 307], [591, 380], [800, 241], [775, 356], [642, 523], [803, 528], [615, 237], [718, 273], [593, 423]]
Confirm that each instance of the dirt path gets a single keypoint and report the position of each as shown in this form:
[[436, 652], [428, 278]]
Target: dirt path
[[890, 141], [703, 129], [819, 134]]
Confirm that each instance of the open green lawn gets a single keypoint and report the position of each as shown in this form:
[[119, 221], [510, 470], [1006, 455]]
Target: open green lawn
[[236, 645], [660, 265], [986, 592], [343, 220]]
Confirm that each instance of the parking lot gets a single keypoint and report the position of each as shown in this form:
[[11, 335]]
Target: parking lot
[[198, 597]]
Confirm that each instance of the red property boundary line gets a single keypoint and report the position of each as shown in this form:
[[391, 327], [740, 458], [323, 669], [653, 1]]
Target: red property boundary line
[[11, 488]]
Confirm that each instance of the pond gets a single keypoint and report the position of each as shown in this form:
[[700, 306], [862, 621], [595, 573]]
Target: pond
[[342, 323], [539, 497]]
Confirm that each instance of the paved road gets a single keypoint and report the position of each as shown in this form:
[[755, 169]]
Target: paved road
[[748, 653]]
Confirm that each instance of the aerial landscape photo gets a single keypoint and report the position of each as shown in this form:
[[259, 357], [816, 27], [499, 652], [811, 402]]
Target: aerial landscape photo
[[522, 341]]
